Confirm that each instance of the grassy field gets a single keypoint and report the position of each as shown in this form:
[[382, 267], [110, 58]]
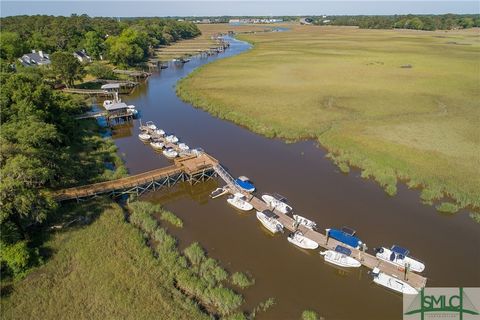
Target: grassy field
[[400, 105]]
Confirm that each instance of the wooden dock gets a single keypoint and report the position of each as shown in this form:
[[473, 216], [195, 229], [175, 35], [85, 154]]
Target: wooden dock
[[90, 92]]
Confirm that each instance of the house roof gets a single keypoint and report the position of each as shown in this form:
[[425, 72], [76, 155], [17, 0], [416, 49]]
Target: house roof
[[35, 58], [116, 106], [111, 86], [82, 54]]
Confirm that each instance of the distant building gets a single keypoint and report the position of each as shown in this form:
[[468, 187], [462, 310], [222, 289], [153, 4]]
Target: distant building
[[82, 56], [326, 21], [253, 21], [35, 59], [204, 21]]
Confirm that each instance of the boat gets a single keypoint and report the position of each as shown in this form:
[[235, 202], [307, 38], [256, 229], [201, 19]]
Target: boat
[[151, 125], [301, 241], [305, 222], [157, 145], [344, 237], [392, 283], [170, 153], [277, 202], [245, 184], [160, 132], [182, 146], [171, 139], [107, 103], [163, 66], [341, 257], [218, 192], [269, 221], [133, 112], [184, 60], [131, 106], [399, 256], [144, 136], [238, 200]]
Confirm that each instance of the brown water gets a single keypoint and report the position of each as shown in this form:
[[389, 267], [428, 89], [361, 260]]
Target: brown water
[[297, 279]]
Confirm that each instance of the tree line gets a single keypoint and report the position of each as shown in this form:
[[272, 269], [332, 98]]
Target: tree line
[[123, 42], [416, 22]]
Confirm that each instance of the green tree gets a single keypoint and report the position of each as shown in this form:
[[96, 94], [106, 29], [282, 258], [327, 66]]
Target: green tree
[[11, 46], [94, 44], [67, 67], [101, 71]]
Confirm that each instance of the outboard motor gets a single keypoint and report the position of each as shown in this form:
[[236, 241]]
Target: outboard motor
[[378, 250], [392, 256]]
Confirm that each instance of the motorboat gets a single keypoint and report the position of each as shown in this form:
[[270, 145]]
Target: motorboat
[[197, 152], [144, 136], [239, 201], [185, 60], [163, 66], [245, 184], [305, 222], [157, 145], [107, 103], [301, 241], [170, 153], [151, 125], [269, 221], [341, 256], [160, 132], [391, 282], [399, 256], [131, 107], [182, 146], [277, 202], [133, 112], [171, 139], [344, 237], [218, 192]]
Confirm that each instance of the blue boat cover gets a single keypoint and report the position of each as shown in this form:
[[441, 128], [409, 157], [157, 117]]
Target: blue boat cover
[[343, 250], [248, 186], [400, 251], [341, 236]]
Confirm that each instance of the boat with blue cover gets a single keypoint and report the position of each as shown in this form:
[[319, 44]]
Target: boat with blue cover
[[341, 256], [399, 256], [245, 184], [344, 237]]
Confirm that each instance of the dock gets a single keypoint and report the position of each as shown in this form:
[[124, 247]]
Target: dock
[[196, 166]]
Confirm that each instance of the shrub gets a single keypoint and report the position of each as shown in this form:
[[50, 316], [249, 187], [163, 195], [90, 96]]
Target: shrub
[[309, 315], [241, 280]]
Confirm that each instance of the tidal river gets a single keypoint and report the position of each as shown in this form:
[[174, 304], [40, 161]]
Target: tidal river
[[297, 279]]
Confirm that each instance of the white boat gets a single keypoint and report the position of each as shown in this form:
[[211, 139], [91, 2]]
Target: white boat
[[238, 200], [277, 202], [399, 256], [301, 241], [157, 145], [183, 147], [171, 139], [133, 112], [305, 222], [144, 136], [160, 132], [170, 153], [107, 103], [218, 192], [131, 106], [340, 257], [269, 221], [392, 283], [151, 125]]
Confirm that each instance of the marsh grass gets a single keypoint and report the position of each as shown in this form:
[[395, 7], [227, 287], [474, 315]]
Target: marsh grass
[[241, 280], [345, 87]]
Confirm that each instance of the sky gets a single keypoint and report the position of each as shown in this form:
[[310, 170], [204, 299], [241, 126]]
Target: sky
[[119, 8]]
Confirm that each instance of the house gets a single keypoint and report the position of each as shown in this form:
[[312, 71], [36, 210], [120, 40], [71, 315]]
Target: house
[[35, 59], [82, 56]]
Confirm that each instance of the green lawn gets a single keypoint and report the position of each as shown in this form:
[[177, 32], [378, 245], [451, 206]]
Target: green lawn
[[398, 104]]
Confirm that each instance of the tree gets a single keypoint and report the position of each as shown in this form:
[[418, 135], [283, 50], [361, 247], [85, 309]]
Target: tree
[[67, 67], [101, 71], [11, 46], [94, 44]]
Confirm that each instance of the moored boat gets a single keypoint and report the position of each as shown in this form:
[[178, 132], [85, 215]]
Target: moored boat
[[340, 257], [171, 139], [277, 202], [151, 125], [238, 200], [170, 153], [144, 136], [218, 192], [182, 146], [245, 184], [157, 145], [305, 222], [392, 283], [344, 237], [301, 241], [107, 103], [159, 132], [399, 256], [269, 221]]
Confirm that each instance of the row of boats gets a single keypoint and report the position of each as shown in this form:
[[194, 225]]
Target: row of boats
[[159, 140], [341, 255]]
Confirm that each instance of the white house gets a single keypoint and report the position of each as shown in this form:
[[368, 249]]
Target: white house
[[35, 59], [82, 56]]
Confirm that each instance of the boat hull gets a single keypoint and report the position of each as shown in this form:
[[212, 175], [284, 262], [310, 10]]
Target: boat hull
[[276, 204], [340, 259], [303, 242], [414, 265], [240, 204], [270, 224], [305, 222], [394, 284]]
